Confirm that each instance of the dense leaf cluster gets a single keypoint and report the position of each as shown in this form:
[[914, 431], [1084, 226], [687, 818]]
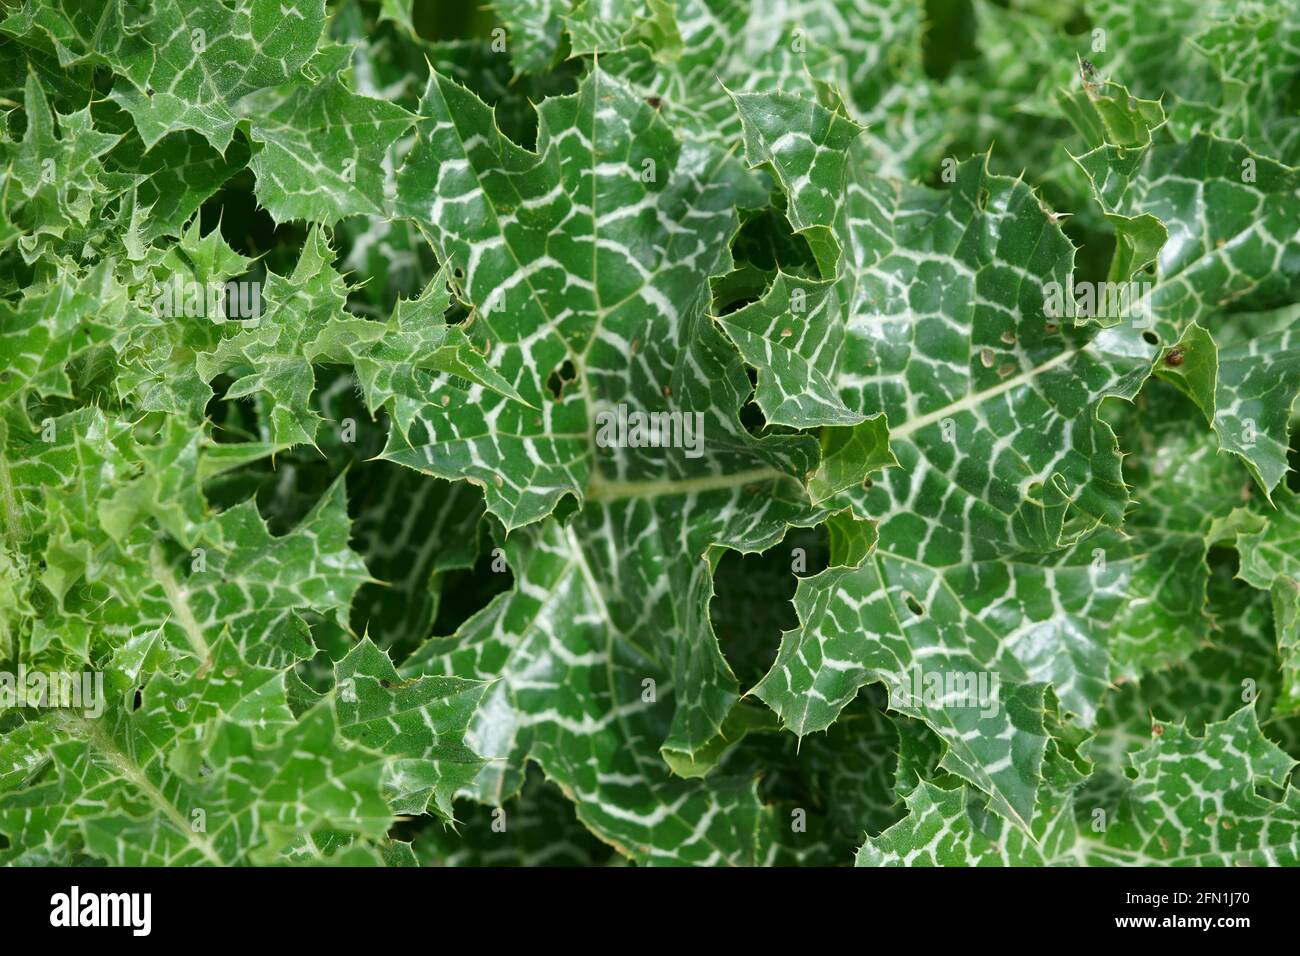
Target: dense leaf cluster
[[963, 530]]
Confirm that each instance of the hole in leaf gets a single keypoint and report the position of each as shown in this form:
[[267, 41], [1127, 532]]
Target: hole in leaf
[[562, 376], [137, 700], [465, 592], [247, 226], [745, 284], [457, 314], [766, 241], [751, 604], [1268, 791], [1150, 338], [735, 305], [913, 605]]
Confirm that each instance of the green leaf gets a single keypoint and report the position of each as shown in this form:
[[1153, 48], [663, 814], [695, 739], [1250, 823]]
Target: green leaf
[[1105, 112], [185, 65], [1228, 213], [1270, 561], [1224, 64], [1185, 486], [1194, 803], [236, 579], [181, 172], [193, 772], [567, 685], [321, 149], [689, 432], [421, 722], [1003, 464], [410, 549], [1233, 663], [399, 362], [273, 356], [1259, 378], [538, 828], [55, 173]]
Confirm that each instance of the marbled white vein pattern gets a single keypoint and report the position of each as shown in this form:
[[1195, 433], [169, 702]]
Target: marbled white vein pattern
[[132, 784], [1256, 388], [1001, 457], [587, 267], [1231, 217], [234, 579], [1194, 803], [323, 149], [570, 692]]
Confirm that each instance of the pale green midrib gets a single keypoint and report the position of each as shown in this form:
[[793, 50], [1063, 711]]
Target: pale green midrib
[[179, 604], [598, 489], [580, 560], [90, 731], [975, 399], [208, 80], [9, 502], [1080, 848]]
